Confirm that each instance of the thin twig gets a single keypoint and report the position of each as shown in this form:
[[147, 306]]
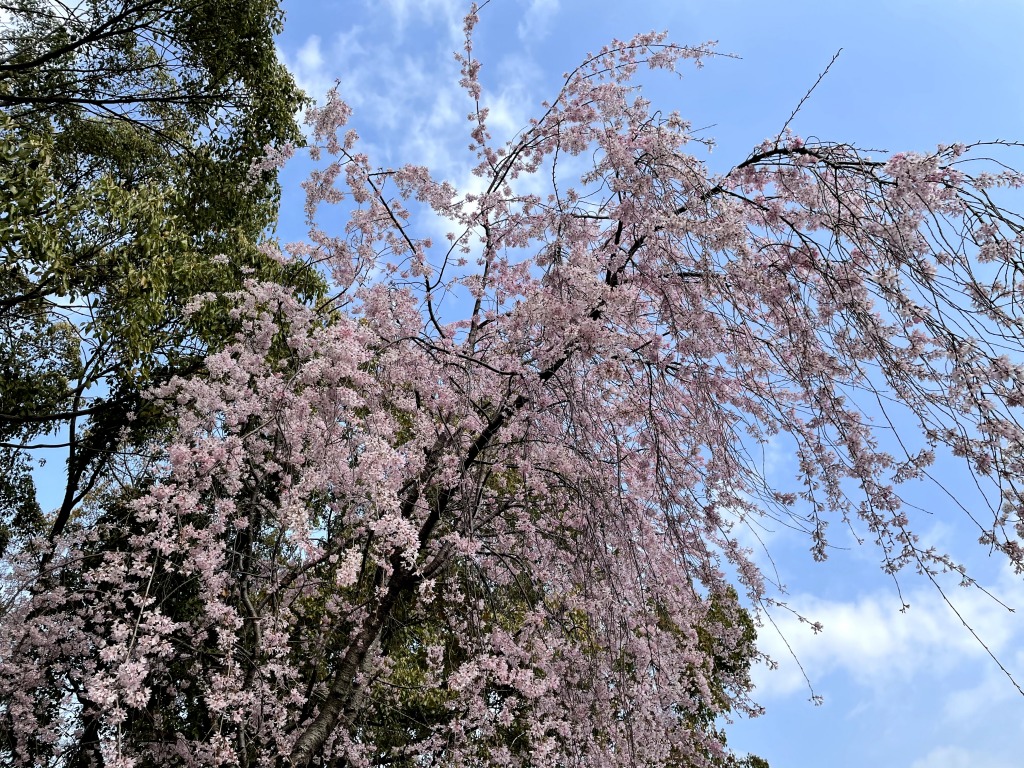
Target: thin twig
[[807, 95]]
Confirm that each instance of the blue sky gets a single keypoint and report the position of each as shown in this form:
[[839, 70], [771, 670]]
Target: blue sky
[[902, 690]]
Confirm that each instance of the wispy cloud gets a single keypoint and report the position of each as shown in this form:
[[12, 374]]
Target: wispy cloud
[[536, 22], [448, 12], [958, 757], [969, 704], [407, 101]]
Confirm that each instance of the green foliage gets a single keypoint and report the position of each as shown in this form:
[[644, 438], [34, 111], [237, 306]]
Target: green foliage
[[127, 133]]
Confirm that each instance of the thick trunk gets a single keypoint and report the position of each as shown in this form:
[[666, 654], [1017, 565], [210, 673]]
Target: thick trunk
[[345, 688]]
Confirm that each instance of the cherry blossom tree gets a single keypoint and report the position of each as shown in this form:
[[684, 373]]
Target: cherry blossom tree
[[481, 507]]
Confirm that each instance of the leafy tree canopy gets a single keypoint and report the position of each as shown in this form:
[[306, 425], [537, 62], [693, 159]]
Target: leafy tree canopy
[[127, 135]]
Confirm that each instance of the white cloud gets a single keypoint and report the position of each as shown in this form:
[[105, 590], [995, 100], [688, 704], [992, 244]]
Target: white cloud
[[309, 57], [536, 22], [309, 68], [871, 642], [958, 757]]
